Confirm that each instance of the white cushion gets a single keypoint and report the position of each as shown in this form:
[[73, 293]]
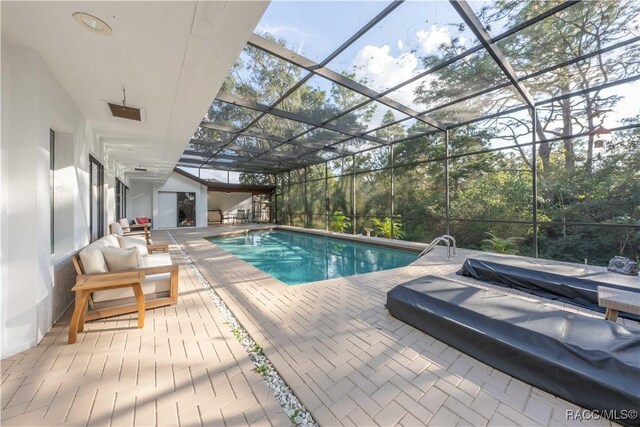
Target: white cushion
[[154, 283], [119, 259], [134, 242], [124, 224], [110, 240], [157, 260], [116, 229], [92, 259]]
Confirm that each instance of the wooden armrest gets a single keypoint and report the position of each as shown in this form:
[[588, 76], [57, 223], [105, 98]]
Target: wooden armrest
[[160, 269], [158, 247]]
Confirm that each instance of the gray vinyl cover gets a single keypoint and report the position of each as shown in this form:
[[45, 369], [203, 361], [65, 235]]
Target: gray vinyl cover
[[591, 362], [558, 282]]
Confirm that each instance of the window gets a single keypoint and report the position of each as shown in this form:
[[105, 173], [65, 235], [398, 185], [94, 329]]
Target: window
[[52, 169], [186, 209], [96, 199], [121, 199]]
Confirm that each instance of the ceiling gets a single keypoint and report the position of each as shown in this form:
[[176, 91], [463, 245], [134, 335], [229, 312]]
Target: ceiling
[[170, 56]]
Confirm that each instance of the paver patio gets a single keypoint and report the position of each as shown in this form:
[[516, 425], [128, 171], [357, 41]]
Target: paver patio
[[333, 342]]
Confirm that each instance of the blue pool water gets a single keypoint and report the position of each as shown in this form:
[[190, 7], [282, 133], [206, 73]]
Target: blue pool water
[[296, 258]]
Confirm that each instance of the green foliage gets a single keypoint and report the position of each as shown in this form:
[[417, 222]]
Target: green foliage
[[262, 369], [501, 245], [382, 228], [339, 222]]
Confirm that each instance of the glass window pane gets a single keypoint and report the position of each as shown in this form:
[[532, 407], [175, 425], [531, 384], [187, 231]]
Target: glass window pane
[[419, 149], [500, 237], [419, 192], [303, 26], [316, 198], [373, 159], [593, 245], [496, 101], [368, 117], [580, 29], [493, 185], [319, 138], [473, 73], [340, 166], [279, 127], [261, 77], [412, 38], [318, 100], [498, 16], [231, 115], [296, 198], [340, 195], [186, 209], [373, 193], [591, 179]]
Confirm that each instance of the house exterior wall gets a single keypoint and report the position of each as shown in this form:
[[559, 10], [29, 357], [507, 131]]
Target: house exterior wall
[[34, 282], [144, 197], [229, 203]]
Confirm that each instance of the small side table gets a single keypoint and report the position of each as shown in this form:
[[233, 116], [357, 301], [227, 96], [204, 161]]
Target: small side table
[[85, 284], [617, 300], [158, 247]]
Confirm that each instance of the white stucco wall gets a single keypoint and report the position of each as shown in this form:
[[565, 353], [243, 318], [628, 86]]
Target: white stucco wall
[[35, 284], [229, 203], [141, 200], [144, 198]]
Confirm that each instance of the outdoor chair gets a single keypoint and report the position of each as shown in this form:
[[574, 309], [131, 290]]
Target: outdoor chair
[[117, 228], [242, 216]]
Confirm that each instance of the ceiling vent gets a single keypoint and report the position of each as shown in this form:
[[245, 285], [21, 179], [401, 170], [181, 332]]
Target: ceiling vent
[[140, 169], [125, 111]]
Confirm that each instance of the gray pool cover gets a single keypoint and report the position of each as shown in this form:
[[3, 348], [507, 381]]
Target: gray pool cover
[[573, 285], [591, 362]]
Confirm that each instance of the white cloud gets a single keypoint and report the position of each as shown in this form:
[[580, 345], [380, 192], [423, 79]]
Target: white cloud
[[431, 40], [400, 44]]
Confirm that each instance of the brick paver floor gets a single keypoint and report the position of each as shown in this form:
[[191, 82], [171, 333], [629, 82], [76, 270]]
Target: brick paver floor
[[351, 363], [183, 368], [333, 342]]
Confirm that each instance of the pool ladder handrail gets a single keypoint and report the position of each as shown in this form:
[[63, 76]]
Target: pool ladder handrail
[[447, 239]]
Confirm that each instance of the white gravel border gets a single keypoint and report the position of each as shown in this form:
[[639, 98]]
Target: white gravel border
[[296, 412]]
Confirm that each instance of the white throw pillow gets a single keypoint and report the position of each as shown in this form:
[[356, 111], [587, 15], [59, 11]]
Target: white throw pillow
[[92, 259], [111, 240], [119, 259], [124, 224], [134, 242], [117, 229]]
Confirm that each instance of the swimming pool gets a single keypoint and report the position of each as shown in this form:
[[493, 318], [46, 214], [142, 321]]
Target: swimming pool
[[296, 258]]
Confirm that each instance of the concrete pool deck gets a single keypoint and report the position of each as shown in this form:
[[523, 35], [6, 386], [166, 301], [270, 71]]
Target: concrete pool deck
[[333, 342]]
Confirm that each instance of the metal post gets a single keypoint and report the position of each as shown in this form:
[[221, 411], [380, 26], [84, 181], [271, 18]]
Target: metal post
[[353, 192], [306, 205], [326, 196], [534, 186], [392, 192], [446, 182], [289, 195]]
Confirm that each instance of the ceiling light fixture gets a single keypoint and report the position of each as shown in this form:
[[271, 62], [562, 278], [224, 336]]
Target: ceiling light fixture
[[91, 23]]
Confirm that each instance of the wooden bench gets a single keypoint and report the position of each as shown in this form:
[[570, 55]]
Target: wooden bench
[[617, 300], [86, 284]]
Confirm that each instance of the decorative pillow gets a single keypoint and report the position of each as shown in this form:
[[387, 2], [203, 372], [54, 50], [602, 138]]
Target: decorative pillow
[[92, 259], [134, 242], [143, 220], [117, 229], [119, 259], [124, 224], [110, 240]]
